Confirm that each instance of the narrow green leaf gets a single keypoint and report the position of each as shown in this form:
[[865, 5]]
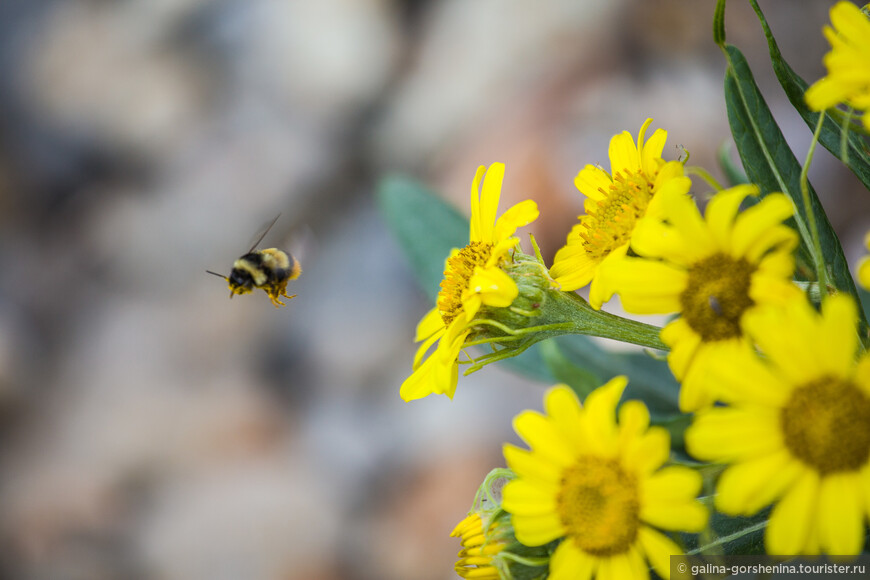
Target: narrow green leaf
[[733, 535], [719, 23], [770, 163], [857, 157], [649, 379], [565, 371], [426, 227], [733, 174]]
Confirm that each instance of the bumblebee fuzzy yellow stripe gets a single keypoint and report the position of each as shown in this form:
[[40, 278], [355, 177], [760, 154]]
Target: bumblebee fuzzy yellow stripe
[[268, 270]]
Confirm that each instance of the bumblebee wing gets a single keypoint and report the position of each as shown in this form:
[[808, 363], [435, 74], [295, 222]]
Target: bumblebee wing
[[263, 235], [301, 245]]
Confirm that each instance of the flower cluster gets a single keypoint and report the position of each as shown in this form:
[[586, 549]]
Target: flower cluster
[[771, 408]]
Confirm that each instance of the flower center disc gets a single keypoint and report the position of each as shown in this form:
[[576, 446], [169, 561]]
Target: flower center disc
[[599, 506], [826, 425], [609, 225], [456, 276], [717, 295]]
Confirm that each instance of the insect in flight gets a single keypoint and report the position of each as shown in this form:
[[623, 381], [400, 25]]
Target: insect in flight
[[268, 269]]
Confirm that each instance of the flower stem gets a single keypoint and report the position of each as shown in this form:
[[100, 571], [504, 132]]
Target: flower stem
[[819, 258], [570, 307]]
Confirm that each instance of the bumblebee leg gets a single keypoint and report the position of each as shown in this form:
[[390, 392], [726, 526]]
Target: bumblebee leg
[[284, 293], [275, 291]]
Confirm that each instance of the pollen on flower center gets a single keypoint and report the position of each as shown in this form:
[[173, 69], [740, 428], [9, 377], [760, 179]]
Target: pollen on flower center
[[610, 223], [717, 295], [599, 506], [456, 276], [826, 424]]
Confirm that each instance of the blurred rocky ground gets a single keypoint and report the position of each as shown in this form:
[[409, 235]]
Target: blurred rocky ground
[[150, 428]]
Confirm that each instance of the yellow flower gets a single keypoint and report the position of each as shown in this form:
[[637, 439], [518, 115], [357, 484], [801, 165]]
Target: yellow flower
[[713, 270], [472, 280], [848, 63], [797, 429], [615, 204], [478, 549], [864, 266], [599, 485]]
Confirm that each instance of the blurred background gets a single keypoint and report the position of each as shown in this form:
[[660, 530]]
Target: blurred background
[[150, 428]]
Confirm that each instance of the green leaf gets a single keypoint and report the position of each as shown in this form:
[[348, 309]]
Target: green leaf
[[770, 163], [857, 157], [426, 227], [566, 371], [733, 174], [649, 379], [732, 535]]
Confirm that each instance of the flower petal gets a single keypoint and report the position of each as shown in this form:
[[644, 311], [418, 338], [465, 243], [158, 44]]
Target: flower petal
[[668, 500], [753, 224], [542, 435], [658, 549], [517, 216], [489, 197], [424, 348], [492, 287], [730, 434], [863, 273], [526, 498], [476, 231], [837, 338], [570, 563], [644, 286], [429, 325], [651, 150], [722, 210], [563, 407], [792, 519], [841, 514], [749, 486], [623, 154], [531, 466], [593, 182], [537, 530], [599, 416], [434, 376], [618, 567]]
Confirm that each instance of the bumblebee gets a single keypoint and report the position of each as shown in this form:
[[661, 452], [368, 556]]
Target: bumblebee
[[268, 269]]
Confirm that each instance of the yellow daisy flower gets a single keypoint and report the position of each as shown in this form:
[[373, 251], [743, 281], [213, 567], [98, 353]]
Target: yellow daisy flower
[[848, 63], [472, 280], [797, 429], [615, 203], [864, 266], [600, 486], [478, 549], [713, 270]]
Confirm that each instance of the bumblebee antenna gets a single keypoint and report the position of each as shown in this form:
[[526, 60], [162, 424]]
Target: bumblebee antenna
[[218, 275], [263, 235]]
